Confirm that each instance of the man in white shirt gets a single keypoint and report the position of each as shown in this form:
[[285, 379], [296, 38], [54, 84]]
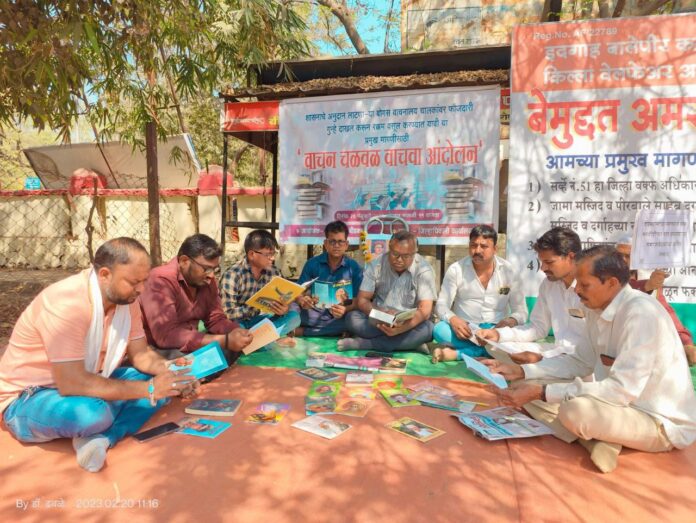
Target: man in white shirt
[[642, 396], [482, 289], [557, 305]]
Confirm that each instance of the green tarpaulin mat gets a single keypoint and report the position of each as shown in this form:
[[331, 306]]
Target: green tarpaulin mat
[[418, 364]]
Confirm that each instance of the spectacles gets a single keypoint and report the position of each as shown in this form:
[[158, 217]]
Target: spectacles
[[207, 269], [267, 256], [404, 257], [337, 243]]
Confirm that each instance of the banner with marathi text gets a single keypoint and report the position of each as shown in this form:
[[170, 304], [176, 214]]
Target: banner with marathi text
[[429, 157], [603, 124]]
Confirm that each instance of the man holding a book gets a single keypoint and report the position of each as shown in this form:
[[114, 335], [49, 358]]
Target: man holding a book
[[182, 293], [641, 395], [479, 291], [61, 374], [248, 276], [401, 285], [337, 278]]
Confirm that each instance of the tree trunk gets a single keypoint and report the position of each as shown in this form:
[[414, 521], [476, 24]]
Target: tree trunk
[[153, 192], [618, 8], [604, 8], [652, 7], [341, 12]]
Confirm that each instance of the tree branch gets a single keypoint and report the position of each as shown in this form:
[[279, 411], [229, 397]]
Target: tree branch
[[651, 8], [618, 8], [341, 12]]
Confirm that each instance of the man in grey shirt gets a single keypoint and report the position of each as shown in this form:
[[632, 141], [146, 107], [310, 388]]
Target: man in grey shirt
[[399, 280]]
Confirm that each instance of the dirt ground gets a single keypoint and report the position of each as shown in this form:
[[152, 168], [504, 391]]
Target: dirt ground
[[17, 288]]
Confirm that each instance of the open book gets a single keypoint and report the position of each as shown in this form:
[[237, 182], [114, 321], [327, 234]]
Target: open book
[[264, 332], [278, 289], [203, 362], [547, 350], [391, 317], [503, 423]]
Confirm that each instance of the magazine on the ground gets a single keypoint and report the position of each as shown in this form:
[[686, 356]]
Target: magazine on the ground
[[356, 407], [391, 317], [264, 332], [324, 388], [328, 293], [321, 426], [415, 429], [201, 427], [503, 423], [203, 362], [426, 386], [366, 392], [211, 407], [438, 401], [359, 379], [388, 382], [316, 374], [362, 363], [319, 404], [398, 398], [278, 289], [268, 413], [482, 371], [547, 350]]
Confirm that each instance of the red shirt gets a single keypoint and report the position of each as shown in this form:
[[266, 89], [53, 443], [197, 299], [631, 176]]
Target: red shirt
[[684, 334], [170, 317]]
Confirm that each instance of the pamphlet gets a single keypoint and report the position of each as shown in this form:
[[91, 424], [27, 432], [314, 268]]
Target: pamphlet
[[203, 428], [415, 429], [503, 423]]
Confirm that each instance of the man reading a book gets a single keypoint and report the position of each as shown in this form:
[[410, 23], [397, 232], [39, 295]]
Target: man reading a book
[[249, 275], [61, 374], [557, 306], [641, 396], [399, 280], [182, 293], [482, 289], [329, 268]]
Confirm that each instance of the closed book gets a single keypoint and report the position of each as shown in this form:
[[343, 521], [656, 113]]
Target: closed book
[[204, 407]]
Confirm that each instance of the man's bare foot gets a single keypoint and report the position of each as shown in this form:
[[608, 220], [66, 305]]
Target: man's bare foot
[[443, 354], [286, 341], [298, 332], [690, 351]]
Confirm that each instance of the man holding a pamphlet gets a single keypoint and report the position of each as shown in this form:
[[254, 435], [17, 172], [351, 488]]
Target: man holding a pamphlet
[[641, 397], [252, 276], [479, 291], [395, 301], [183, 292], [337, 278], [557, 306], [60, 376]]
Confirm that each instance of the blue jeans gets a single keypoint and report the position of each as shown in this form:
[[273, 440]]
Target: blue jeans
[[321, 323], [359, 325], [443, 333], [284, 324], [41, 414]]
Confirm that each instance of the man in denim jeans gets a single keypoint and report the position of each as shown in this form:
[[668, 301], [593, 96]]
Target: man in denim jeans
[[60, 375]]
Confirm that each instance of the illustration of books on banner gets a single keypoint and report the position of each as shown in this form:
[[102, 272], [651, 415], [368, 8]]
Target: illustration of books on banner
[[312, 196], [332, 293], [463, 192]]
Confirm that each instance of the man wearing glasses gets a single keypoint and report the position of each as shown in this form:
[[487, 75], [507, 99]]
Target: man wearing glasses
[[241, 281], [332, 267], [399, 280], [183, 292]]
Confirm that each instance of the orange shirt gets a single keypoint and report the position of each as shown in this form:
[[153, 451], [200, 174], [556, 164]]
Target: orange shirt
[[53, 329]]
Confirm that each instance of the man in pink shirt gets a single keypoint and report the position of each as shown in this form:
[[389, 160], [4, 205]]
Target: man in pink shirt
[[60, 375], [183, 292]]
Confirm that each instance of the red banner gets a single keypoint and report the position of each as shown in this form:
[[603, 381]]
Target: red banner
[[250, 116]]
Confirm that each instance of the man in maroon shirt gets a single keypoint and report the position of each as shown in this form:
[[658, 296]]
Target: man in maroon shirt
[[653, 285], [183, 292]]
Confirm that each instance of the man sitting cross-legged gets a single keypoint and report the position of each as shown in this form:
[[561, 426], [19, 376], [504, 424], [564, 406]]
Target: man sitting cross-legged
[[60, 375], [642, 396], [399, 280], [482, 289]]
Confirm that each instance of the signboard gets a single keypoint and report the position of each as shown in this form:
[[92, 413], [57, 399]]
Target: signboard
[[603, 124], [427, 157], [249, 116]]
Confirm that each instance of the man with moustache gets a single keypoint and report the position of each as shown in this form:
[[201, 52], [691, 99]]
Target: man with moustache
[[60, 376], [183, 292], [641, 397], [557, 306], [482, 289], [399, 280]]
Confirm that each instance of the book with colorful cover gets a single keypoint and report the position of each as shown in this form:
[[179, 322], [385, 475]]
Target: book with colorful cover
[[317, 374], [438, 401], [503, 423], [366, 393], [415, 429], [212, 407], [388, 382], [268, 413], [203, 362], [324, 388], [359, 379], [202, 428], [482, 371], [328, 294], [321, 426], [356, 407], [319, 405], [278, 289], [398, 398]]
